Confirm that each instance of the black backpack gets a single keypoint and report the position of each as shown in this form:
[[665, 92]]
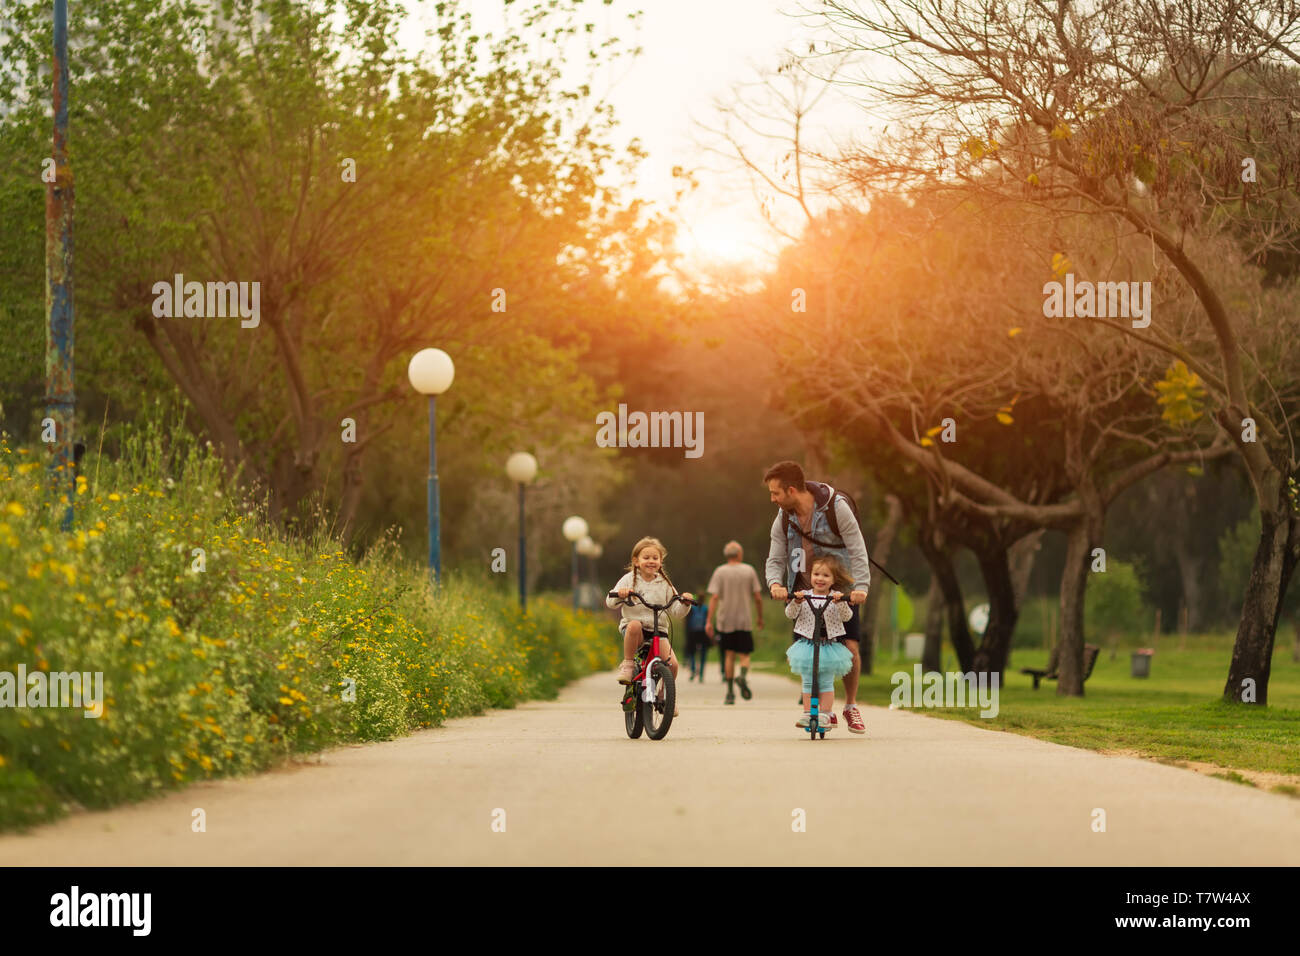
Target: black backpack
[[831, 517]]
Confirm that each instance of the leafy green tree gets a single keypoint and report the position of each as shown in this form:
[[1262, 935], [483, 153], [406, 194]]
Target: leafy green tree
[[1116, 601], [385, 201]]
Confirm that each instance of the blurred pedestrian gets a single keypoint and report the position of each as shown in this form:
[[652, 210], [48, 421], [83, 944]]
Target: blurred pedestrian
[[733, 587]]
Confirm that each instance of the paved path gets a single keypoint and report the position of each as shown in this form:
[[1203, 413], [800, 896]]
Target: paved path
[[721, 789]]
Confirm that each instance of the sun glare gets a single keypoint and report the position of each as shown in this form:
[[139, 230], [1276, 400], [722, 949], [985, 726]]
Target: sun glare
[[725, 240]]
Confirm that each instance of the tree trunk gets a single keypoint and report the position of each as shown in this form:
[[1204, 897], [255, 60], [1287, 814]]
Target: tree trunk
[[880, 551], [1022, 555], [291, 483], [1189, 573], [350, 501], [941, 566], [931, 660], [991, 656], [1270, 573], [1074, 583]]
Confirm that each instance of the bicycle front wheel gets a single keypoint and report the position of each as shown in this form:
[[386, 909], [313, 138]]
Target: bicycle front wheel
[[632, 718], [657, 714]]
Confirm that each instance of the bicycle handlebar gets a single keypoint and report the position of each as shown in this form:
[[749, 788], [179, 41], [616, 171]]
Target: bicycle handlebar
[[654, 607]]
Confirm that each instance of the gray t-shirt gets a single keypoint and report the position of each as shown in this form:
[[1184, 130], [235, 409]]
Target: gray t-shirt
[[733, 587]]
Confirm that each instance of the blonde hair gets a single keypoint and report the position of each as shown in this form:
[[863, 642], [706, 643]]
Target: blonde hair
[[840, 576], [663, 557]]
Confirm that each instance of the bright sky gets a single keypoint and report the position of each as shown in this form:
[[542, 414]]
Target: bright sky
[[695, 52]]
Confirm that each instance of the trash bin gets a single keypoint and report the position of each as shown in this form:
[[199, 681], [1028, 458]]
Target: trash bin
[[1142, 662]]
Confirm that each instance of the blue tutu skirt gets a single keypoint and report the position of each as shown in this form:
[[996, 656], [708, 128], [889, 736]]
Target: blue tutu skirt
[[835, 660]]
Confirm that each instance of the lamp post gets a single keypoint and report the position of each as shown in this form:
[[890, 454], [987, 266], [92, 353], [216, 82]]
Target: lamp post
[[590, 550], [574, 529], [522, 469], [60, 393], [596, 552], [431, 372], [586, 547]]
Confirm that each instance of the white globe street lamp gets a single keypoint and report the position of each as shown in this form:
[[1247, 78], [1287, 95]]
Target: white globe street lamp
[[521, 467], [574, 528], [430, 372]]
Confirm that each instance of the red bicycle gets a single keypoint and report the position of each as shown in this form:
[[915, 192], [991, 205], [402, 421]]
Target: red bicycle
[[651, 698]]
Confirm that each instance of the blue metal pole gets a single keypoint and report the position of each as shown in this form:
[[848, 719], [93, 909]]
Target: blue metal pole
[[575, 575], [435, 553], [60, 395], [523, 554]]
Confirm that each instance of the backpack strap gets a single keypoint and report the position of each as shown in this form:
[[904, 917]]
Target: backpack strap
[[830, 512]]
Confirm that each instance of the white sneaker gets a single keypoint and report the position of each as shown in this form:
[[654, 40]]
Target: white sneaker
[[626, 671]]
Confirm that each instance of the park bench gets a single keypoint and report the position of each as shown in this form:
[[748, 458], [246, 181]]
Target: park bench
[[1090, 654]]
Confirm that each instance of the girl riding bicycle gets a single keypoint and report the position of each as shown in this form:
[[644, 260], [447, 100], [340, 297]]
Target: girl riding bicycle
[[646, 576], [835, 660]]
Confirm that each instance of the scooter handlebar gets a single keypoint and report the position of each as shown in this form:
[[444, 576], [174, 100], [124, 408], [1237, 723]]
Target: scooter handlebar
[[824, 598]]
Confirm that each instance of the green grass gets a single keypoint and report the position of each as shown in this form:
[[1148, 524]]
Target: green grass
[[1175, 714], [1233, 777]]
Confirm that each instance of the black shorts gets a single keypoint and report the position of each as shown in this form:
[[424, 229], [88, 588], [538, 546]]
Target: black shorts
[[853, 626], [742, 642], [696, 640]]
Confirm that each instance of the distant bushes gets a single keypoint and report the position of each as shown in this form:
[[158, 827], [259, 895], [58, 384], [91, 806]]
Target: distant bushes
[[1115, 604], [275, 647]]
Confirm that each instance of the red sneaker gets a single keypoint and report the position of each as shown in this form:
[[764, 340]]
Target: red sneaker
[[834, 722], [854, 719]]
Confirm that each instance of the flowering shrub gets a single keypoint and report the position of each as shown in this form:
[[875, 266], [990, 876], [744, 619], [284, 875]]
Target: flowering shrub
[[228, 659]]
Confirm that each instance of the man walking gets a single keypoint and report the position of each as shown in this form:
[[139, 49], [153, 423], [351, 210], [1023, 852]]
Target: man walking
[[814, 519], [733, 586]]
